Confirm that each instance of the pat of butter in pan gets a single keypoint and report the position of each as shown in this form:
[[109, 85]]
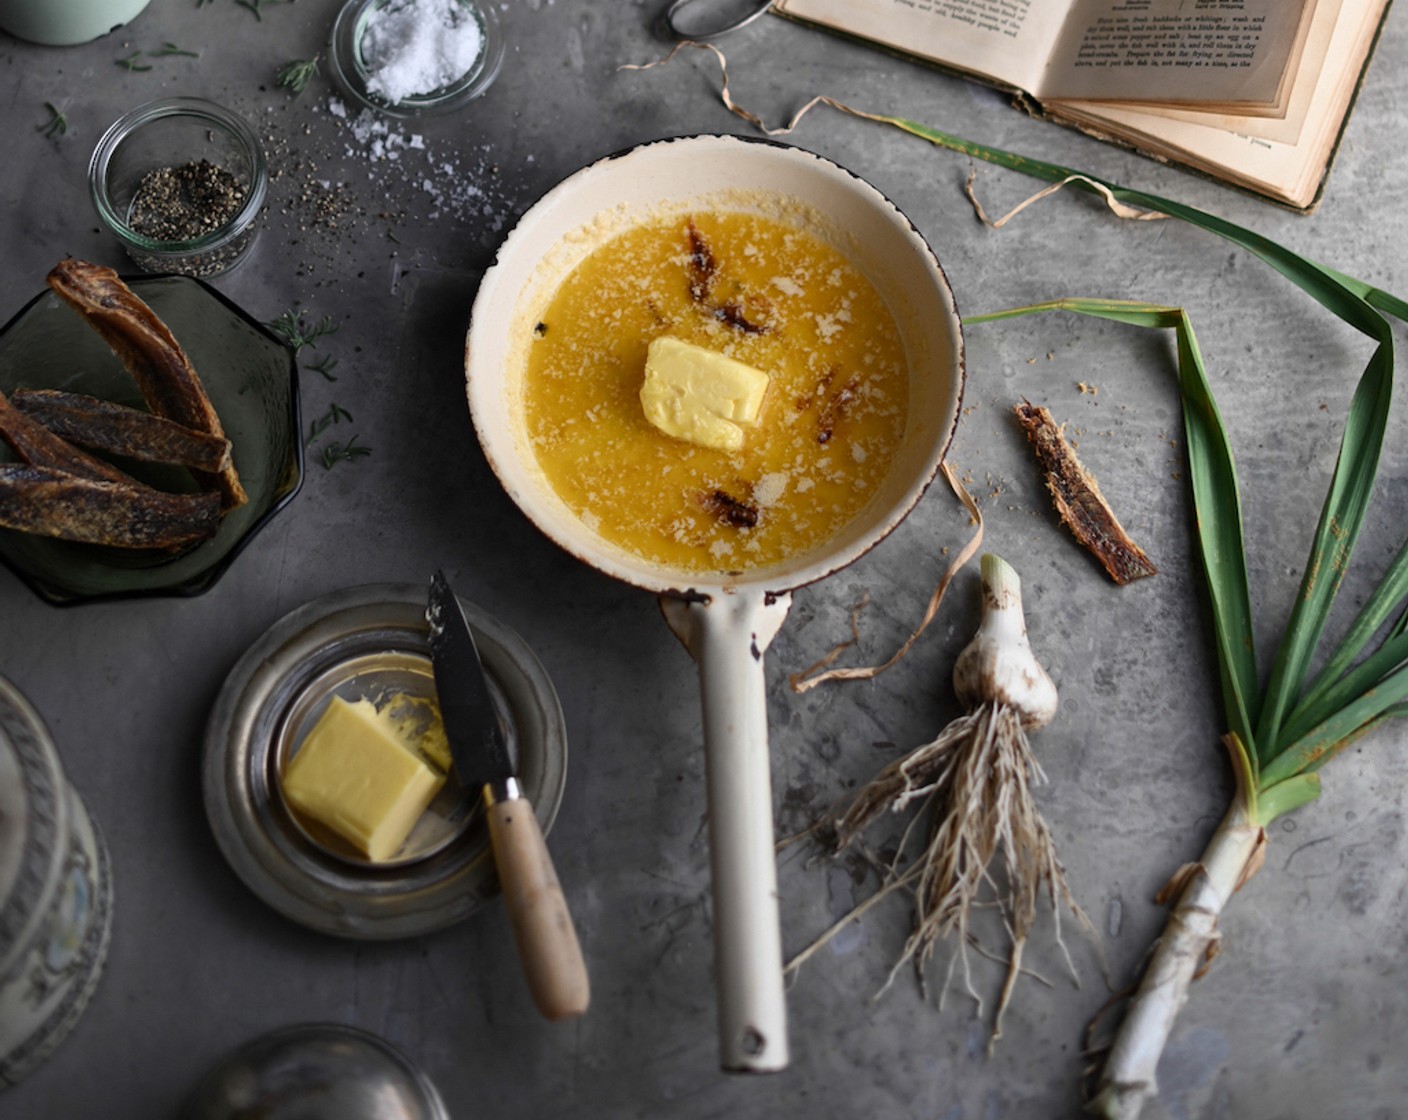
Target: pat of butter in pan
[[701, 396], [354, 775]]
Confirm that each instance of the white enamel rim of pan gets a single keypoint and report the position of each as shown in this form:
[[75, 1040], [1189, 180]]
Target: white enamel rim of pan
[[726, 622]]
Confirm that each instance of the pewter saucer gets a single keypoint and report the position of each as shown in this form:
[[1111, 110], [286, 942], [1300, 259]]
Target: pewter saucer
[[366, 641]]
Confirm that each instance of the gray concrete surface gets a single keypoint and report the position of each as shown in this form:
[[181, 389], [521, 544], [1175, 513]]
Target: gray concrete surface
[[1303, 1017]]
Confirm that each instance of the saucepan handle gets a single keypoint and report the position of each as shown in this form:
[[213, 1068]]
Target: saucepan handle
[[726, 636]]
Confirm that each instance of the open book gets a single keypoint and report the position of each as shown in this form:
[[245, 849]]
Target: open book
[[1253, 92]]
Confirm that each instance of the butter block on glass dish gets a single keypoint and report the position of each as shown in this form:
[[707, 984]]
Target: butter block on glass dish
[[354, 775]]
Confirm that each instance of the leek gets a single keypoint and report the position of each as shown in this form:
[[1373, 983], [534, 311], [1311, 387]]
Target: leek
[[1276, 759]]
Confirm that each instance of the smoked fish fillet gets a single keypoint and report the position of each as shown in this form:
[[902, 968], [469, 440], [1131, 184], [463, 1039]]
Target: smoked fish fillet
[[53, 503], [146, 346], [37, 446], [107, 426]]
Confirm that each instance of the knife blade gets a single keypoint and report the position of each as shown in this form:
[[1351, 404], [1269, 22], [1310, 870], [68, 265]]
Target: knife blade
[[537, 909]]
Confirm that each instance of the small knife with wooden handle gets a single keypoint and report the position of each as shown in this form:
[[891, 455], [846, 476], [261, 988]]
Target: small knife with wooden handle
[[537, 910]]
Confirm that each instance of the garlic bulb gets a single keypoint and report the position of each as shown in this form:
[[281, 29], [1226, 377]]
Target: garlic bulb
[[998, 664], [975, 783]]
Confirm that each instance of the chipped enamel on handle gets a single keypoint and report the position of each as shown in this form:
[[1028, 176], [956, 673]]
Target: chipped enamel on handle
[[726, 637], [537, 910]]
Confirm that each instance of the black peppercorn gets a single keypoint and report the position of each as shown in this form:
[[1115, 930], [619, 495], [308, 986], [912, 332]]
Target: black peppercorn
[[185, 202]]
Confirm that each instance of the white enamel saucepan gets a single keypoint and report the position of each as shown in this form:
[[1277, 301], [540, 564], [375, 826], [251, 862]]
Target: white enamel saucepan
[[726, 622]]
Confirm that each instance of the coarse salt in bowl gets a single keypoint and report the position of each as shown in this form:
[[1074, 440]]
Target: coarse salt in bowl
[[408, 58]]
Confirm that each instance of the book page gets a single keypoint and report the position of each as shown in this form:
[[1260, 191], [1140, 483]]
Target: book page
[[1005, 41], [1289, 171], [1285, 129], [1228, 52]]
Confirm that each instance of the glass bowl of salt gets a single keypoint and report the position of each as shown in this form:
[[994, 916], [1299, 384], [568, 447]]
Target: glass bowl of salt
[[410, 58]]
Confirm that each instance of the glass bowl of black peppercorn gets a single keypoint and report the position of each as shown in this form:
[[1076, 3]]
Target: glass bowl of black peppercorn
[[180, 182]]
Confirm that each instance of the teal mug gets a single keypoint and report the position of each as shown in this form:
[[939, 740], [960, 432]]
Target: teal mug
[[61, 23]]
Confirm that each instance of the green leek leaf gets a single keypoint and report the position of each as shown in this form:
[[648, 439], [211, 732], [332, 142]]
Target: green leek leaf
[[1313, 749], [1339, 692], [1285, 796]]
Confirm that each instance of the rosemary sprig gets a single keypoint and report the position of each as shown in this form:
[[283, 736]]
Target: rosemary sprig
[[168, 49], [325, 366], [335, 453], [290, 327], [56, 125], [295, 76], [334, 415], [131, 63]]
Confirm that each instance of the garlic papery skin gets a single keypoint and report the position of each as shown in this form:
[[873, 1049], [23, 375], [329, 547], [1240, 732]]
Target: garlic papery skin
[[998, 664]]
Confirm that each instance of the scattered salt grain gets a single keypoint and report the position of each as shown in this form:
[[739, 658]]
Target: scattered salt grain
[[465, 187], [414, 47], [770, 488]]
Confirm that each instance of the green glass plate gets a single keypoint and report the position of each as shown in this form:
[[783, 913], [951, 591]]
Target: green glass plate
[[252, 379]]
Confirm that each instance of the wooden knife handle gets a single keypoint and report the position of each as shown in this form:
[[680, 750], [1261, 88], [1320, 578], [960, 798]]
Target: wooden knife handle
[[537, 910]]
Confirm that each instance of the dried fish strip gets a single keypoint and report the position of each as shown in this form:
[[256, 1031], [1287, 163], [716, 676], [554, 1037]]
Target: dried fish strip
[[1078, 499], [53, 503], [108, 426], [36, 445], [152, 355]]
